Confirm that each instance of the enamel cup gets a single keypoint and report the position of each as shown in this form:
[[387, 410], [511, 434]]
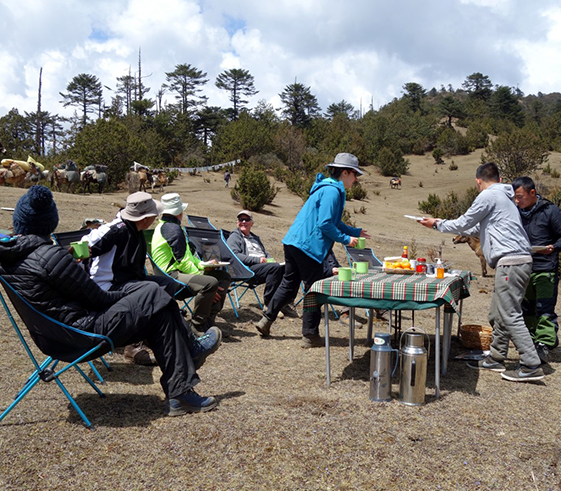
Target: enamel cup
[[345, 274], [360, 267], [361, 243], [81, 249]]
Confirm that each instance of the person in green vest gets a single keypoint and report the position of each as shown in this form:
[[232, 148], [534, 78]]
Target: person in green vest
[[171, 252]]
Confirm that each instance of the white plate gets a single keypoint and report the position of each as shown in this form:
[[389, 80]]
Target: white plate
[[539, 248], [412, 217], [208, 264]]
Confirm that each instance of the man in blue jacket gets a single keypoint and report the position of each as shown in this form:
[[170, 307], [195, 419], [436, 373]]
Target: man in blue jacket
[[542, 221], [316, 227]]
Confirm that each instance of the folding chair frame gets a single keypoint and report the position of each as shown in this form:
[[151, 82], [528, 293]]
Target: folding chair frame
[[47, 371], [200, 222]]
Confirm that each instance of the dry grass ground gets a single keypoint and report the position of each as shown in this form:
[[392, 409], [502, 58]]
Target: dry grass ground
[[278, 426]]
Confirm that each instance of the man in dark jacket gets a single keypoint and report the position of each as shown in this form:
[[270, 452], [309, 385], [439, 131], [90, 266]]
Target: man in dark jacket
[[51, 281], [542, 222], [251, 251]]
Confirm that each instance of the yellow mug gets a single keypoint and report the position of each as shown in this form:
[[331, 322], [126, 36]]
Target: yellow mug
[[360, 267], [361, 243]]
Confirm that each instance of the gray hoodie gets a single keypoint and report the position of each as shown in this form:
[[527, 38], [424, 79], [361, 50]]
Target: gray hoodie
[[493, 217]]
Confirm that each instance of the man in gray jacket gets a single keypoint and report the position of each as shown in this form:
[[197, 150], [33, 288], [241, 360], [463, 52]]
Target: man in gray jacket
[[493, 217], [251, 251]]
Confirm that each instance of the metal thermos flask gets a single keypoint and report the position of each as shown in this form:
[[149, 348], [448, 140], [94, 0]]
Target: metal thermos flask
[[413, 371], [381, 371]]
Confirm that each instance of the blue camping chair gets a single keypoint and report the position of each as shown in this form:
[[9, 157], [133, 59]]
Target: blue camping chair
[[210, 244], [64, 239], [73, 346]]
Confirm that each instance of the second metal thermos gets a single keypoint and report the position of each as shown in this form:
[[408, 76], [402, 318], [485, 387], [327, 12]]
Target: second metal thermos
[[413, 356]]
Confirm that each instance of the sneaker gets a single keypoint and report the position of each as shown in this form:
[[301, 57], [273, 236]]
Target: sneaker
[[263, 326], [290, 311], [190, 402], [487, 363], [543, 352], [346, 319], [280, 315], [205, 345], [314, 341], [140, 354], [524, 374]]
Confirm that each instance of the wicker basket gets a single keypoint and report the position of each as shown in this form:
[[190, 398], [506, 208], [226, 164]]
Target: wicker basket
[[475, 336]]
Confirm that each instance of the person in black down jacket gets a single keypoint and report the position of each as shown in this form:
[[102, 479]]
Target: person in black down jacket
[[51, 281], [542, 222]]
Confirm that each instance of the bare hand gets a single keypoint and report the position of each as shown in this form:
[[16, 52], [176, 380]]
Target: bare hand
[[429, 222], [353, 242], [365, 234], [547, 251], [262, 259], [217, 295]]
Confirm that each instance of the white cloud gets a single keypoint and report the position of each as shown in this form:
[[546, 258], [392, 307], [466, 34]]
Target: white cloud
[[357, 50]]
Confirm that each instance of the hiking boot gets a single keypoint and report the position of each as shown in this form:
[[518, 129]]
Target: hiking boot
[[314, 341], [346, 319], [280, 315], [190, 402], [524, 374], [263, 326], [205, 345], [487, 363], [140, 354], [290, 311], [543, 352]]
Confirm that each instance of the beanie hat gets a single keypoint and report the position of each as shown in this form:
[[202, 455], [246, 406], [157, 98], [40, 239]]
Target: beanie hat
[[35, 212]]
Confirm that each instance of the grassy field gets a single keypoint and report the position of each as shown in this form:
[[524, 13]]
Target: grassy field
[[278, 427]]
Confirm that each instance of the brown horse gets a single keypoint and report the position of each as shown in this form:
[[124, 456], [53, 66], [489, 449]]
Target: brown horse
[[159, 179], [475, 245], [144, 177], [15, 176], [65, 175], [35, 175]]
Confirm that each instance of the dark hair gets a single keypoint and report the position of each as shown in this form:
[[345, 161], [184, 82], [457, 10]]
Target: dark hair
[[488, 172], [335, 172], [526, 183]]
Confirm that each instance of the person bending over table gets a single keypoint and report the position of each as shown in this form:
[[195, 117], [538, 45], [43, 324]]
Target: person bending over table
[[316, 227], [493, 217]]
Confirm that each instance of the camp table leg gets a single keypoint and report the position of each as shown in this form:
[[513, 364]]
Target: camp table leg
[[327, 361], [437, 353], [447, 340], [351, 334], [370, 325]]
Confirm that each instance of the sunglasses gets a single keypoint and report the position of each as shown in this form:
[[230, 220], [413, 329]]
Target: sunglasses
[[243, 220]]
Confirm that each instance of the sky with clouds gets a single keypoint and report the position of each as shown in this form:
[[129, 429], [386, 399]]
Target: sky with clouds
[[362, 51]]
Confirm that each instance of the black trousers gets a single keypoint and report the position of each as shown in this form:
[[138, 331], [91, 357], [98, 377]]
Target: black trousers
[[299, 267], [269, 273], [148, 313]]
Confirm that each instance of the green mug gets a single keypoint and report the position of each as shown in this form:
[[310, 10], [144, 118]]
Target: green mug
[[81, 250], [346, 274], [361, 243], [360, 267], [270, 260]]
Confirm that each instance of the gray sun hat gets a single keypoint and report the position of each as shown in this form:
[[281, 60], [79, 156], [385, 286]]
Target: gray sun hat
[[173, 205], [140, 205], [346, 161]]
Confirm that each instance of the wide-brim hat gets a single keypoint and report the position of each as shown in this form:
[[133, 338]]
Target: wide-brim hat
[[173, 205], [140, 205], [346, 161]]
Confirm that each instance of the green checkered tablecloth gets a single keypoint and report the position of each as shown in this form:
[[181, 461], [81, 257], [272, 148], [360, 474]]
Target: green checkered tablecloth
[[390, 291]]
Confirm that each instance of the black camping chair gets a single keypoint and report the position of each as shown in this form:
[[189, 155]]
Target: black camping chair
[[184, 291], [210, 244], [61, 343], [200, 222]]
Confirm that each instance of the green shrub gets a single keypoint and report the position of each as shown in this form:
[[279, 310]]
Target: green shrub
[[356, 192], [253, 189], [453, 166], [391, 163], [430, 206], [554, 174], [437, 155], [346, 218]]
